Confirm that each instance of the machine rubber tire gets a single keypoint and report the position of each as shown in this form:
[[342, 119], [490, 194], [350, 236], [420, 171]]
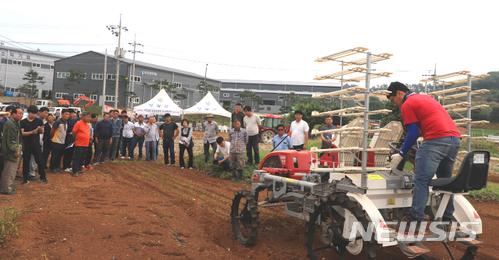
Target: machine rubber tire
[[335, 228], [267, 136], [245, 218]]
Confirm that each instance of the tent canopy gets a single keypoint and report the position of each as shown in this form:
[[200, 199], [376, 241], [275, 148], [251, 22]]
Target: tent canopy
[[158, 105], [207, 105]]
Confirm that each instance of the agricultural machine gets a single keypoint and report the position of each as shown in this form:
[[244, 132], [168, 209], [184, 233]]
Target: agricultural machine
[[269, 127], [354, 203]]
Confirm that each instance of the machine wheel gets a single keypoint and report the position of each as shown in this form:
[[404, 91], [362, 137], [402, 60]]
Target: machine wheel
[[244, 218], [267, 136], [326, 232]]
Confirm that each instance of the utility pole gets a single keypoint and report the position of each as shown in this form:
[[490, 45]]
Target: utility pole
[[119, 53], [104, 85], [134, 44]]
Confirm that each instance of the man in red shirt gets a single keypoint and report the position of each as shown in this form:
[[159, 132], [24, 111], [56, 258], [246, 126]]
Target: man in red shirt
[[436, 155], [81, 134]]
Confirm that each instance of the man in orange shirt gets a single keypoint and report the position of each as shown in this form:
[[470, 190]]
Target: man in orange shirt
[[81, 134]]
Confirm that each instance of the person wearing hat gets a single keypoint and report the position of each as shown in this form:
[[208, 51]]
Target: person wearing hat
[[299, 131], [169, 131], [210, 129], [423, 114], [222, 148]]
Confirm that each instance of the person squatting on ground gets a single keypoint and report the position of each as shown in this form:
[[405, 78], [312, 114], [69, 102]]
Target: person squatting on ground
[[238, 138], [11, 151], [116, 124], [31, 128], [127, 138], [281, 141], [138, 135], [299, 131], [58, 138], [69, 143], [81, 134], [210, 129], [253, 125], [437, 153], [168, 131], [103, 139], [223, 148], [186, 143], [151, 138]]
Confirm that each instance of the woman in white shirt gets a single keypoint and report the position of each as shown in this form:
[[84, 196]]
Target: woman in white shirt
[[186, 143]]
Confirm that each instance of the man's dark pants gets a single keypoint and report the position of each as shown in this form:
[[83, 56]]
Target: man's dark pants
[[207, 150], [102, 151], [79, 158], [47, 148], [127, 144], [68, 157], [114, 148], [169, 148], [57, 152], [140, 142], [253, 145], [36, 151]]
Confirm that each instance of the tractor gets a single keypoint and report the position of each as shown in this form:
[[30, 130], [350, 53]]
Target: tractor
[[269, 127]]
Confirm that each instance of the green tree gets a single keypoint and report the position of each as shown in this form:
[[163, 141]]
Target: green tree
[[166, 85], [289, 101], [250, 98], [204, 87], [74, 78], [30, 87], [494, 115]]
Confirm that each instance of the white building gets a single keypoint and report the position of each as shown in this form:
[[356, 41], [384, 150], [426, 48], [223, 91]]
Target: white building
[[16, 62]]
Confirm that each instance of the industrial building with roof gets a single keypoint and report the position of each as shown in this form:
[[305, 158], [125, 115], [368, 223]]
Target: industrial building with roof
[[15, 62]]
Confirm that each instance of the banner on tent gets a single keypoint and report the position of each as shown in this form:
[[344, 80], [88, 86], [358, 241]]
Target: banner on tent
[[156, 111]]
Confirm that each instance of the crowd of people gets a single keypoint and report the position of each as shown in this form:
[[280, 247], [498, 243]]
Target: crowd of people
[[72, 140]]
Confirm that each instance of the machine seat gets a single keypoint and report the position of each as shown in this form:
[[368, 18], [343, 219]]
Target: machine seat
[[472, 174]]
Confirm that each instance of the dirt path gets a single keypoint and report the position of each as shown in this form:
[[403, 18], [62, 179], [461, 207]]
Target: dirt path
[[139, 210]]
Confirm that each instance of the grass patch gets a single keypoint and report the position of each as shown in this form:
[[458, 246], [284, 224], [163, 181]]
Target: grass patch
[[8, 225], [491, 193], [493, 148], [217, 171]]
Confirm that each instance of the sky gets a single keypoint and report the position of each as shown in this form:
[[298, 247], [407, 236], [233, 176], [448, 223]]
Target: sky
[[268, 40]]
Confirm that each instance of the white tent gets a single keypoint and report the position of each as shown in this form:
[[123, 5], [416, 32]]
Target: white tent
[[158, 105], [207, 105]]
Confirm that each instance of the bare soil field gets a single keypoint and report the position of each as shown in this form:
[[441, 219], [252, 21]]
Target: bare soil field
[[145, 210]]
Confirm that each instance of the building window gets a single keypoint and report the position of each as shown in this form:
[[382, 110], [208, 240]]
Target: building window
[[134, 100], [109, 98], [269, 102], [179, 85], [136, 79], [52, 67], [17, 62], [59, 95], [268, 108], [236, 95], [226, 103], [63, 75], [111, 76], [226, 95], [75, 96], [36, 65], [97, 76], [93, 97]]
